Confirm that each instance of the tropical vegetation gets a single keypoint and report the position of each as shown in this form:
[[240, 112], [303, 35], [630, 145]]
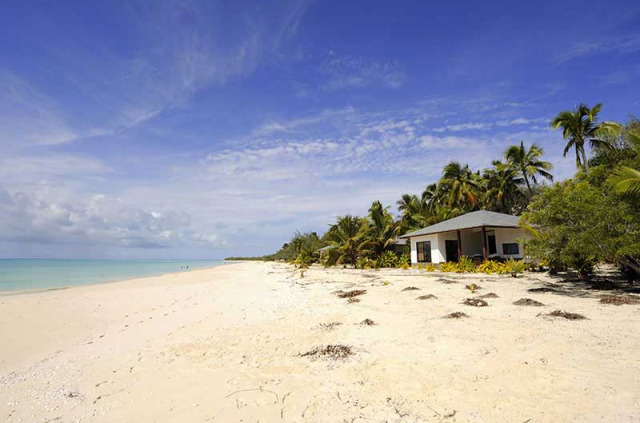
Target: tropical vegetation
[[577, 223]]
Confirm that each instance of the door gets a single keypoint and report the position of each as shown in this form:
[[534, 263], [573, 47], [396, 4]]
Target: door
[[492, 244], [451, 250]]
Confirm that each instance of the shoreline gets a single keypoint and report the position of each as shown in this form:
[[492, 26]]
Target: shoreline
[[65, 287]]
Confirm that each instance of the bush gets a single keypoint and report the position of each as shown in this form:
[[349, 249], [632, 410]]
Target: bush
[[364, 263], [448, 267], [513, 267], [466, 265], [430, 267], [489, 267], [403, 261], [387, 259]]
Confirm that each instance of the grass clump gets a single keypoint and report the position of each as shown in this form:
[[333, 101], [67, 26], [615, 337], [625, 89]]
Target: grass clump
[[528, 302], [330, 352]]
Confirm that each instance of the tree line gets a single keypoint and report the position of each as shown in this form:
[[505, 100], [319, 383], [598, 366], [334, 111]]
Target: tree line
[[591, 218]]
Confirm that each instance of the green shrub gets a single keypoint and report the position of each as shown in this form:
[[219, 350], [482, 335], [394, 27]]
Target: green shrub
[[364, 263], [466, 265], [430, 267], [513, 267], [403, 261], [489, 267], [448, 267], [387, 259]]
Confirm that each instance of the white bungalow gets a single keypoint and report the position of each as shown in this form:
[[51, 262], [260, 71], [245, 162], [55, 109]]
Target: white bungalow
[[480, 235]]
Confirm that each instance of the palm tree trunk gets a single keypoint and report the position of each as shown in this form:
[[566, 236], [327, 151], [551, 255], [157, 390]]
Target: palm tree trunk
[[585, 163], [526, 180]]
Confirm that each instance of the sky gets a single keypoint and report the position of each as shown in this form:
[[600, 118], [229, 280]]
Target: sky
[[205, 129]]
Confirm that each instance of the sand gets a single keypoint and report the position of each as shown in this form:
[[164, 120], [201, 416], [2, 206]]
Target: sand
[[226, 345]]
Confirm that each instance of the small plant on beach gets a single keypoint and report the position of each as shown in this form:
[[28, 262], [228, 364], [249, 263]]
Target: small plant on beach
[[302, 273], [386, 283], [473, 287], [304, 260]]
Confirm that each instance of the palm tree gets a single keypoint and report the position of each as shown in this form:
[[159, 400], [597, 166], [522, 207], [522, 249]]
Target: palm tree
[[579, 127], [528, 163], [502, 187], [347, 236], [380, 231], [459, 186], [625, 179], [413, 210]]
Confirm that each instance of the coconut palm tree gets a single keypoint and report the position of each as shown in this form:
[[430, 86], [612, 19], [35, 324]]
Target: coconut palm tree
[[581, 126], [413, 211], [502, 187], [460, 186], [347, 236], [626, 179], [528, 163], [380, 231]]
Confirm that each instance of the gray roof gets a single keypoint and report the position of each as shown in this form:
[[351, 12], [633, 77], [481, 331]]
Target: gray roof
[[399, 241], [470, 220]]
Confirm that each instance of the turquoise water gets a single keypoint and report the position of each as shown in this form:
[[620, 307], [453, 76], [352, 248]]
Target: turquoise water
[[29, 274]]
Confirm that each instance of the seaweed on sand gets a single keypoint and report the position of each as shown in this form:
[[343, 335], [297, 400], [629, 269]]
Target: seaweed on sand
[[331, 352], [427, 297], [368, 322], [456, 315], [566, 315], [411, 288], [475, 302], [351, 294], [619, 300], [528, 302]]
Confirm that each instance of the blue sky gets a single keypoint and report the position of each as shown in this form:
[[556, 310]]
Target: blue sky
[[187, 129]]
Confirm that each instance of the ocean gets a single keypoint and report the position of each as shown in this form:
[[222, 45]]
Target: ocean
[[38, 274]]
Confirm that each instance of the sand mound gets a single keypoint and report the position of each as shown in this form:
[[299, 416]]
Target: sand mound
[[489, 295]]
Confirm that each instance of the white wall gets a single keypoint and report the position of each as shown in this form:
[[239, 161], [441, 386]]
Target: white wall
[[471, 242], [508, 235], [436, 256]]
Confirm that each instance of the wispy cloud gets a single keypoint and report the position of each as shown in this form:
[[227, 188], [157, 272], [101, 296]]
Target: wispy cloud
[[623, 44], [359, 72]]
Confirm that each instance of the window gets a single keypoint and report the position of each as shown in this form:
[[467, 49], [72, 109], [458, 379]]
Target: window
[[510, 249], [424, 251]]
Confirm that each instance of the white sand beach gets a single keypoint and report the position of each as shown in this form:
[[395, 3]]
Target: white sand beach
[[225, 345]]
